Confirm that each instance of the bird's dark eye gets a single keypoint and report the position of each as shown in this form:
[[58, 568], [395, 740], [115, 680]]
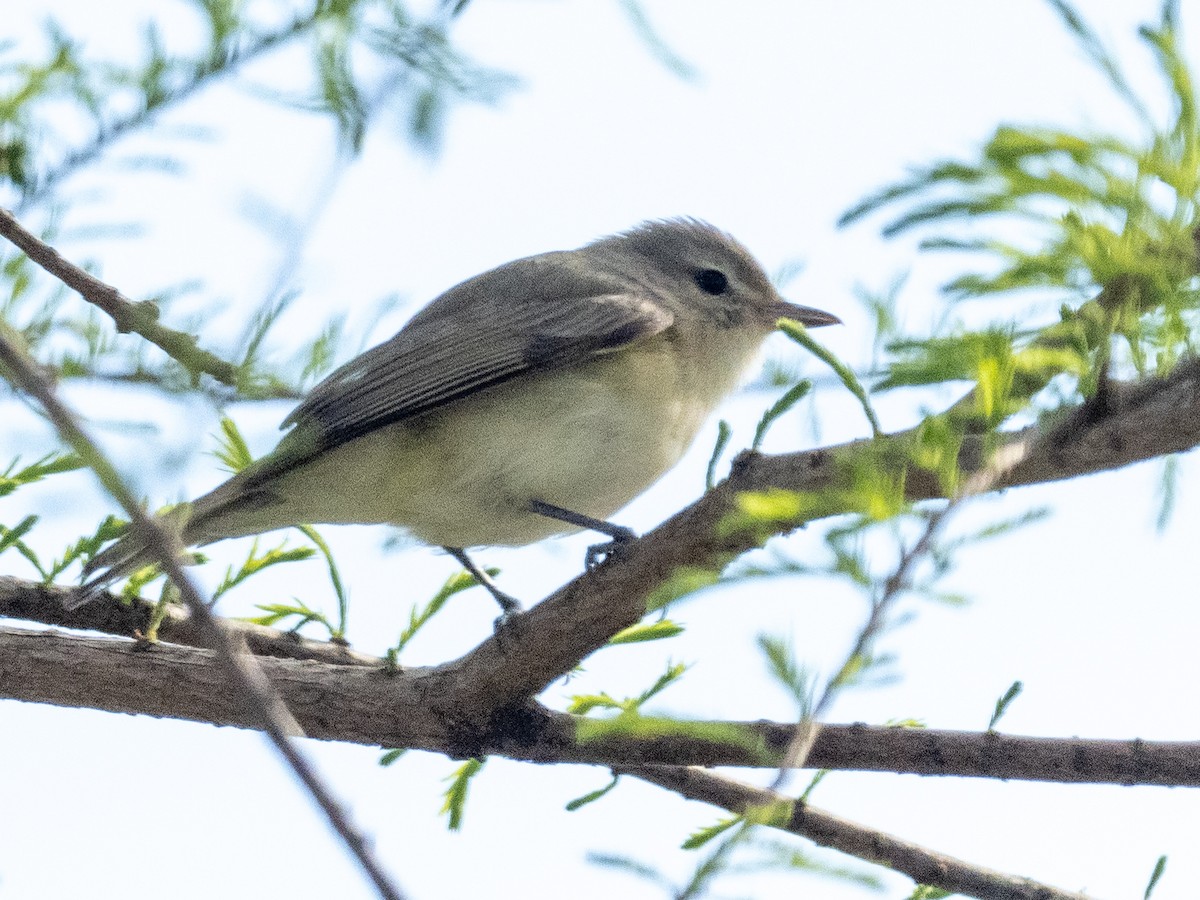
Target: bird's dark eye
[[712, 282]]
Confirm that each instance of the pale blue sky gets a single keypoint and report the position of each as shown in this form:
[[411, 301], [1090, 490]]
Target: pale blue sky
[[798, 111]]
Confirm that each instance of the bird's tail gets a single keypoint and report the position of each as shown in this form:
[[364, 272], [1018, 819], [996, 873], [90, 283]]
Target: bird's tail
[[128, 554], [231, 510]]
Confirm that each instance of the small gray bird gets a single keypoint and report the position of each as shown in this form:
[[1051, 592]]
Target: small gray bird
[[532, 400]]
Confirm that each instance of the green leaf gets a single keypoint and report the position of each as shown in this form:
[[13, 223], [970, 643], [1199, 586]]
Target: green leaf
[[798, 333], [1160, 866], [86, 547], [50, 464], [653, 631], [11, 537], [232, 449], [389, 757], [673, 673], [278, 612], [418, 617], [335, 578], [699, 838], [454, 804], [791, 676], [1101, 57], [592, 796], [723, 433], [582, 704], [138, 580], [631, 866], [793, 396], [654, 42], [1002, 705], [256, 562]]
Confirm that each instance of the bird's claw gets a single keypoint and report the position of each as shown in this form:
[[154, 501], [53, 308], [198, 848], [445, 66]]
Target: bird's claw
[[510, 609], [597, 554]]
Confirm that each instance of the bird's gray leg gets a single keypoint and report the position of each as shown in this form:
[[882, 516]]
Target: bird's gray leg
[[597, 553], [509, 605]]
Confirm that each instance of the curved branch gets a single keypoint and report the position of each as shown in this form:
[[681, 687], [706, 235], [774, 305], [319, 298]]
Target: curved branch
[[1139, 422]]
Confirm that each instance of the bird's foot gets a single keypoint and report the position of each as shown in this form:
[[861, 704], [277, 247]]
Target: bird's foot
[[620, 536], [598, 554], [510, 606]]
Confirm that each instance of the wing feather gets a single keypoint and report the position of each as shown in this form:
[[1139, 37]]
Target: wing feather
[[531, 315]]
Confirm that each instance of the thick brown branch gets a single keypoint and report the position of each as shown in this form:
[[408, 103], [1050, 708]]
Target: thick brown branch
[[922, 865], [359, 704], [1140, 422]]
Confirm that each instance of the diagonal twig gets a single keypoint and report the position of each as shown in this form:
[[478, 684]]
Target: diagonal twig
[[922, 865], [978, 482], [138, 318], [204, 72], [241, 669]]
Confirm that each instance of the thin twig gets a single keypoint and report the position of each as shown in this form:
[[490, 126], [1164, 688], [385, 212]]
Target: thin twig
[[897, 584], [922, 865], [809, 726], [139, 318], [243, 671]]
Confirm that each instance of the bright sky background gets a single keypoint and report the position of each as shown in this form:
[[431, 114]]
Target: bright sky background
[[798, 110]]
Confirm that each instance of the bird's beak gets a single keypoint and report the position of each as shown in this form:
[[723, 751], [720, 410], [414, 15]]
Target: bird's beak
[[806, 315]]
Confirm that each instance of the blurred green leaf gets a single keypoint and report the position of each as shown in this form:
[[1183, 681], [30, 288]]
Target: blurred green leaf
[[790, 398], [592, 796], [256, 562], [652, 631], [455, 796], [702, 836], [723, 433], [1002, 705], [798, 333]]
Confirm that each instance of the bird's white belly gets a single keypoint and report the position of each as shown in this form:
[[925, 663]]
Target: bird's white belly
[[589, 441]]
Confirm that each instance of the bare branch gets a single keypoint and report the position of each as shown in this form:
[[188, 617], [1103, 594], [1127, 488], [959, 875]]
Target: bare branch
[[48, 605], [922, 865]]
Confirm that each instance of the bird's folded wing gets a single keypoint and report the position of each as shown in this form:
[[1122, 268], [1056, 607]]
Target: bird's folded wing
[[462, 344]]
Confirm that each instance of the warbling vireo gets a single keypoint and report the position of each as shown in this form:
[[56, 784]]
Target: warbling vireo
[[532, 400]]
